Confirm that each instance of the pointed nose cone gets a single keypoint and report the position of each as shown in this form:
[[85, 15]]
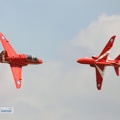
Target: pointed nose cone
[[40, 61], [79, 60]]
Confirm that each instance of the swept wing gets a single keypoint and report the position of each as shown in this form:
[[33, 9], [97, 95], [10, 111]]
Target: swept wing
[[99, 75], [6, 45], [17, 74], [105, 52]]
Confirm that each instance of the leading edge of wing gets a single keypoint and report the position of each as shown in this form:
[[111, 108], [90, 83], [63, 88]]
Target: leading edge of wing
[[17, 74], [99, 75]]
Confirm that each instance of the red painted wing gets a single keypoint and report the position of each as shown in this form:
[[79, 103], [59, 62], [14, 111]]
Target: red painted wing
[[105, 52], [99, 75], [6, 45], [17, 74], [108, 46]]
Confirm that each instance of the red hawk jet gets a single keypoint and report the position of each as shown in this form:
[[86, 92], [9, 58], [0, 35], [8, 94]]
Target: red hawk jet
[[101, 61], [16, 61]]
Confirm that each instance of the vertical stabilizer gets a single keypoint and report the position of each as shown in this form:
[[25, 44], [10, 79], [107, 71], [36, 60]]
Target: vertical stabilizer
[[117, 59], [116, 70]]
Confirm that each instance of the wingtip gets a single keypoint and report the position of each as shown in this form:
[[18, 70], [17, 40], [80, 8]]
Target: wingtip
[[99, 86], [113, 37], [1, 33], [18, 84]]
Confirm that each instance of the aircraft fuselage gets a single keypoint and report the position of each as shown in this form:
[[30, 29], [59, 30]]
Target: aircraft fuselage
[[91, 61], [20, 59]]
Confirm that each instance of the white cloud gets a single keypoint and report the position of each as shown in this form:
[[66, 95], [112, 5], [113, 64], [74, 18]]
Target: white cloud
[[93, 39], [96, 35]]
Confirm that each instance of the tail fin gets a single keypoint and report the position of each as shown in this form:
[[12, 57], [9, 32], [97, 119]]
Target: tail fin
[[117, 58], [116, 67], [116, 70]]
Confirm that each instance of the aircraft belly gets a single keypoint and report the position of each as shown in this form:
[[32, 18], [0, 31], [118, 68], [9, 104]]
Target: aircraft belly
[[22, 63]]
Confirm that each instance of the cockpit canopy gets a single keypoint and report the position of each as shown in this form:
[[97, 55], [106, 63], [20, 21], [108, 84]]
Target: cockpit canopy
[[32, 58]]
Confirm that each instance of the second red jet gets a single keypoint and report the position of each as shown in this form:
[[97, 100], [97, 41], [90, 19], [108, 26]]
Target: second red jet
[[16, 61], [101, 61]]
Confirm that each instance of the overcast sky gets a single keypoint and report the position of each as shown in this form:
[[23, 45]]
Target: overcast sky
[[59, 32]]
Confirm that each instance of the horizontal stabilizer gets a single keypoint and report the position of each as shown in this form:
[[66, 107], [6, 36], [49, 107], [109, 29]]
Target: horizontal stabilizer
[[118, 57]]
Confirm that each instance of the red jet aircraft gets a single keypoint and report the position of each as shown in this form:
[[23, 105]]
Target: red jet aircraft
[[101, 61], [16, 61]]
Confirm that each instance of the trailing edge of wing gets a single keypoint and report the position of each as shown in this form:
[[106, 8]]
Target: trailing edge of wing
[[99, 75]]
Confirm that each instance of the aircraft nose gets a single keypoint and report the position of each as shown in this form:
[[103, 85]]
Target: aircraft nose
[[79, 60], [40, 61]]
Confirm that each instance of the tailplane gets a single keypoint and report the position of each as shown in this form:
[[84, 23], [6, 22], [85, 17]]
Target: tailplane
[[117, 58]]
